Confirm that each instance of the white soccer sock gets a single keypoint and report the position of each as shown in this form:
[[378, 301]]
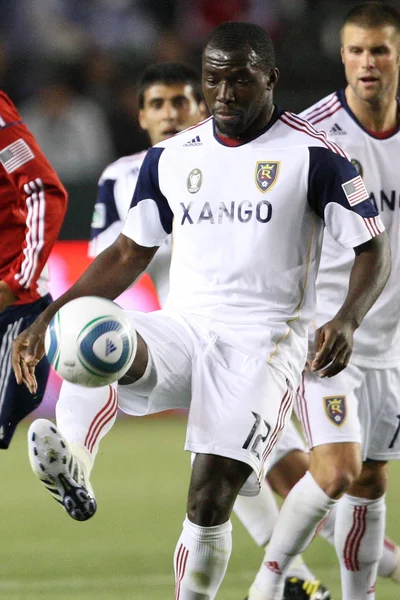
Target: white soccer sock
[[84, 416], [303, 510], [201, 559], [258, 514], [359, 533], [388, 561]]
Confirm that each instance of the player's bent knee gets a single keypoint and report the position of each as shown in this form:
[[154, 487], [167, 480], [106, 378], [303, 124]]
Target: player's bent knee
[[139, 364], [373, 481], [336, 467]]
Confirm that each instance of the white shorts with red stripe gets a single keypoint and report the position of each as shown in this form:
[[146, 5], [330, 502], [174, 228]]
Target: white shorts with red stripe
[[238, 404], [358, 405], [289, 441]]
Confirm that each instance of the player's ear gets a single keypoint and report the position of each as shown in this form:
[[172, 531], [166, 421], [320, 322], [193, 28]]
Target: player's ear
[[142, 120], [273, 78], [342, 53]]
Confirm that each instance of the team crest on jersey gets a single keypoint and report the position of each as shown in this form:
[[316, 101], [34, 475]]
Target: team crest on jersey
[[335, 408], [266, 174], [358, 166], [194, 180]]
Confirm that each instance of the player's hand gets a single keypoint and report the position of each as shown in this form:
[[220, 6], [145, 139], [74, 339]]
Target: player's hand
[[27, 350], [333, 346]]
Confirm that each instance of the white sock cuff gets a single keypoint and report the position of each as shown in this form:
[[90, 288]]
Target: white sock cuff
[[320, 497], [375, 503], [207, 533]]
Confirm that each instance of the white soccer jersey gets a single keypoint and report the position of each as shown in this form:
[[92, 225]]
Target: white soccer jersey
[[377, 341], [248, 224], [115, 190]]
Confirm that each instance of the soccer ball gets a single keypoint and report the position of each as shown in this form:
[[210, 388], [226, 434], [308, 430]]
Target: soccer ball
[[89, 342]]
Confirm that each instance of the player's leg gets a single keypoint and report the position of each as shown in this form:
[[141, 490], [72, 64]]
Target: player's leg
[[289, 462], [231, 439], [62, 456], [15, 400], [332, 468], [361, 512]]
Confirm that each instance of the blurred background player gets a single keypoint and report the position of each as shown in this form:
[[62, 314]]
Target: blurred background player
[[33, 203], [350, 449], [170, 100]]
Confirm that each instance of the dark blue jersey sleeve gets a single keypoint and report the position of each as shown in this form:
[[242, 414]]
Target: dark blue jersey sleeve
[[148, 187], [105, 210], [332, 178]]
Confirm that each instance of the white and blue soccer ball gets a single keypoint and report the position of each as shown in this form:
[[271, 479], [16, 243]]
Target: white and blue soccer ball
[[90, 342]]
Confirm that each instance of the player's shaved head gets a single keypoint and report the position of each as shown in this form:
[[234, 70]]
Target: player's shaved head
[[237, 34], [370, 15]]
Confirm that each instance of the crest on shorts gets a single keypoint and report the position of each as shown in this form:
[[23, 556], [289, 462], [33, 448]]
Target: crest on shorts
[[335, 408], [266, 174], [194, 180]]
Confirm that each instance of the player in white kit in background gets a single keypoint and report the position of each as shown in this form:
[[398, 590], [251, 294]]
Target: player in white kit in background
[[170, 100], [248, 206], [352, 420]]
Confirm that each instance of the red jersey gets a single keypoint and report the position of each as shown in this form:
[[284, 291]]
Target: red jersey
[[33, 202]]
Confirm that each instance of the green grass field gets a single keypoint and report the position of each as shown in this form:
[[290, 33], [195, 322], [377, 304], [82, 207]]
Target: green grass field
[[125, 551]]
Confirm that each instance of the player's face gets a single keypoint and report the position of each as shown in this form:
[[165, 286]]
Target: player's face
[[371, 60], [167, 110], [238, 91]]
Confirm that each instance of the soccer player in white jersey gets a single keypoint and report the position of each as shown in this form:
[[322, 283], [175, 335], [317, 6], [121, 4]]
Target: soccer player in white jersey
[[248, 206], [349, 447], [170, 100]]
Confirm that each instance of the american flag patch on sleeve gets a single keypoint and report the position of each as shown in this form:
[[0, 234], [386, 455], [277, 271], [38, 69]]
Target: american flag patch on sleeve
[[355, 191], [15, 155]]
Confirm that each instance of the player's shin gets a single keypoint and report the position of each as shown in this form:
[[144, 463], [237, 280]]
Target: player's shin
[[84, 416], [201, 559], [301, 513], [359, 534]]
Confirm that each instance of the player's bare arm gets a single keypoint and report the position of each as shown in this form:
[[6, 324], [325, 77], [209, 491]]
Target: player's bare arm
[[334, 340], [111, 273], [7, 296]]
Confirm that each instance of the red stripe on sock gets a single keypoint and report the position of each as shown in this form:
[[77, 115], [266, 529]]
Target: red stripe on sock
[[361, 533], [353, 540], [106, 418], [389, 545], [105, 410], [181, 561]]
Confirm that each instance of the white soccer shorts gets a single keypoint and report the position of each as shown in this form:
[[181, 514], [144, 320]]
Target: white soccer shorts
[[238, 404], [289, 441], [357, 405]]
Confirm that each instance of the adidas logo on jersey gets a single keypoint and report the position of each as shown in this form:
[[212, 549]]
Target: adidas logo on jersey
[[337, 130], [194, 142]]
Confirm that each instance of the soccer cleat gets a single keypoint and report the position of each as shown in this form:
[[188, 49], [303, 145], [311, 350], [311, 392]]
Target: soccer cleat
[[299, 589], [59, 470]]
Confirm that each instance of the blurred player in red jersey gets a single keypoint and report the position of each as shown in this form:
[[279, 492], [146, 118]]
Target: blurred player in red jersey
[[32, 207]]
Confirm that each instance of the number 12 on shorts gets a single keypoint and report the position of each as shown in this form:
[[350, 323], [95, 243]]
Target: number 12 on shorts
[[396, 433], [258, 434]]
